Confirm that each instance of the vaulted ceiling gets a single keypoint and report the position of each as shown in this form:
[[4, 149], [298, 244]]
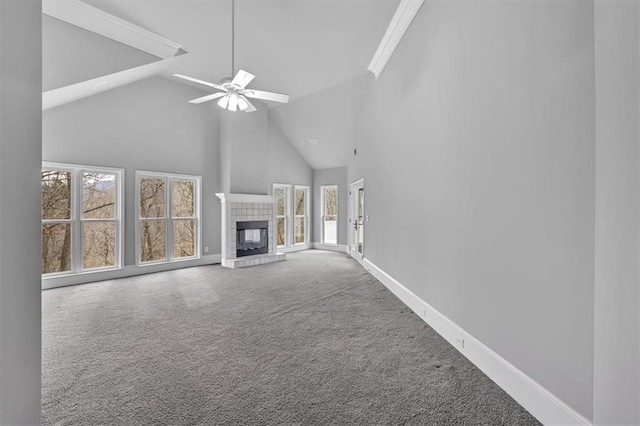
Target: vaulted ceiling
[[297, 47]]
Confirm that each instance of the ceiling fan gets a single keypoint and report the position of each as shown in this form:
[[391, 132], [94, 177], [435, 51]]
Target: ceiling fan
[[233, 92]]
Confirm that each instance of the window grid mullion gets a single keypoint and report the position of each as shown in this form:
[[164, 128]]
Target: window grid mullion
[[288, 222], [76, 226], [169, 217]]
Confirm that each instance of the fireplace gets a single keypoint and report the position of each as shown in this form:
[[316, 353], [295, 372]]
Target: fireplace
[[252, 237], [248, 237]]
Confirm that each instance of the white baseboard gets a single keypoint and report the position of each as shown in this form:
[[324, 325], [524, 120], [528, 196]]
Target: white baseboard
[[541, 403], [330, 247], [127, 271], [293, 248]]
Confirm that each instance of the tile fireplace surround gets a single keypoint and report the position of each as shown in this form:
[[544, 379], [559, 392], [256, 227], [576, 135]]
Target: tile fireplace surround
[[247, 207]]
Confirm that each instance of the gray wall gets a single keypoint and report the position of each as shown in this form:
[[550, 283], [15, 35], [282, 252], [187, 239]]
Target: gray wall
[[480, 131], [148, 125], [20, 151], [616, 352], [244, 142], [255, 154], [285, 164], [329, 116], [335, 176]]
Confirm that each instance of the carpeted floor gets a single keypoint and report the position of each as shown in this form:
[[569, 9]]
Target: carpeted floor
[[313, 340]]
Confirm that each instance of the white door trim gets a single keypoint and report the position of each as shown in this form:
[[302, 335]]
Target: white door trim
[[355, 229]]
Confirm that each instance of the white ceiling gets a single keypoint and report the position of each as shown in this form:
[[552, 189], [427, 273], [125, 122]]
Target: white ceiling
[[296, 47], [322, 126]]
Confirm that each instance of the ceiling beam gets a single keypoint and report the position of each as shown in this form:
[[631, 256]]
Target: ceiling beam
[[74, 92], [90, 18], [399, 24]]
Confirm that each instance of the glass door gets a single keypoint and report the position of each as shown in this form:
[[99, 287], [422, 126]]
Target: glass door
[[360, 223], [357, 220]]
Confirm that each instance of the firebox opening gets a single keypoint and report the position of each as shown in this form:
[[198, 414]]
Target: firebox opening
[[252, 237]]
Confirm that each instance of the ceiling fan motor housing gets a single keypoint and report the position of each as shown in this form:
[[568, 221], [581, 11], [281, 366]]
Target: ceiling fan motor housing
[[230, 87]]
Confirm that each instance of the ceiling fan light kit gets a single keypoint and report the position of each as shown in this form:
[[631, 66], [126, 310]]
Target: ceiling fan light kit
[[223, 102], [234, 93]]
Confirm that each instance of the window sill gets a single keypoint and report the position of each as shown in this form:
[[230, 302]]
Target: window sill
[[165, 262], [126, 271], [81, 273], [292, 248]]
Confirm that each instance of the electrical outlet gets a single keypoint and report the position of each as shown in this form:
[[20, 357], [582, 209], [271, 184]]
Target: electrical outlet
[[460, 342], [206, 249]]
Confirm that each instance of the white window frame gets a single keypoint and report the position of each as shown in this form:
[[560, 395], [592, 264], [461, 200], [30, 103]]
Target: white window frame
[[169, 177], [76, 219], [288, 223], [322, 215], [295, 216]]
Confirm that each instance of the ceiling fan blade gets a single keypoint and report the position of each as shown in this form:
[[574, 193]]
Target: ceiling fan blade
[[249, 106], [267, 96], [207, 98], [195, 80], [242, 78]]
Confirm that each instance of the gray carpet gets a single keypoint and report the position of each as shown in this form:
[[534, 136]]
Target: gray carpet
[[313, 340]]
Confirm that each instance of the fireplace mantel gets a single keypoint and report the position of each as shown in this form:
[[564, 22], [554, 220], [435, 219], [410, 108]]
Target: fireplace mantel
[[247, 207], [226, 197]]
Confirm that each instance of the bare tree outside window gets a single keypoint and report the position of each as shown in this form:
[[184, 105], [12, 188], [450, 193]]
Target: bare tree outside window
[[331, 203], [152, 213], [300, 215], [183, 212], [281, 205], [98, 220], [79, 209], [56, 231], [98, 196], [56, 194], [168, 217], [330, 215]]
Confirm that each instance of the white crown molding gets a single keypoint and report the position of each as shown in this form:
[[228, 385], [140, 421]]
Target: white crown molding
[[90, 18], [74, 92], [399, 24]]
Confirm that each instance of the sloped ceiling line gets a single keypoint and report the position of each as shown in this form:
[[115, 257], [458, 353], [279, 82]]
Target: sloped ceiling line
[[90, 18], [74, 92], [399, 24]]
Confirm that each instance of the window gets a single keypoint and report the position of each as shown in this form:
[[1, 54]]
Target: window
[[168, 217], [329, 214], [81, 218], [281, 192], [300, 214]]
